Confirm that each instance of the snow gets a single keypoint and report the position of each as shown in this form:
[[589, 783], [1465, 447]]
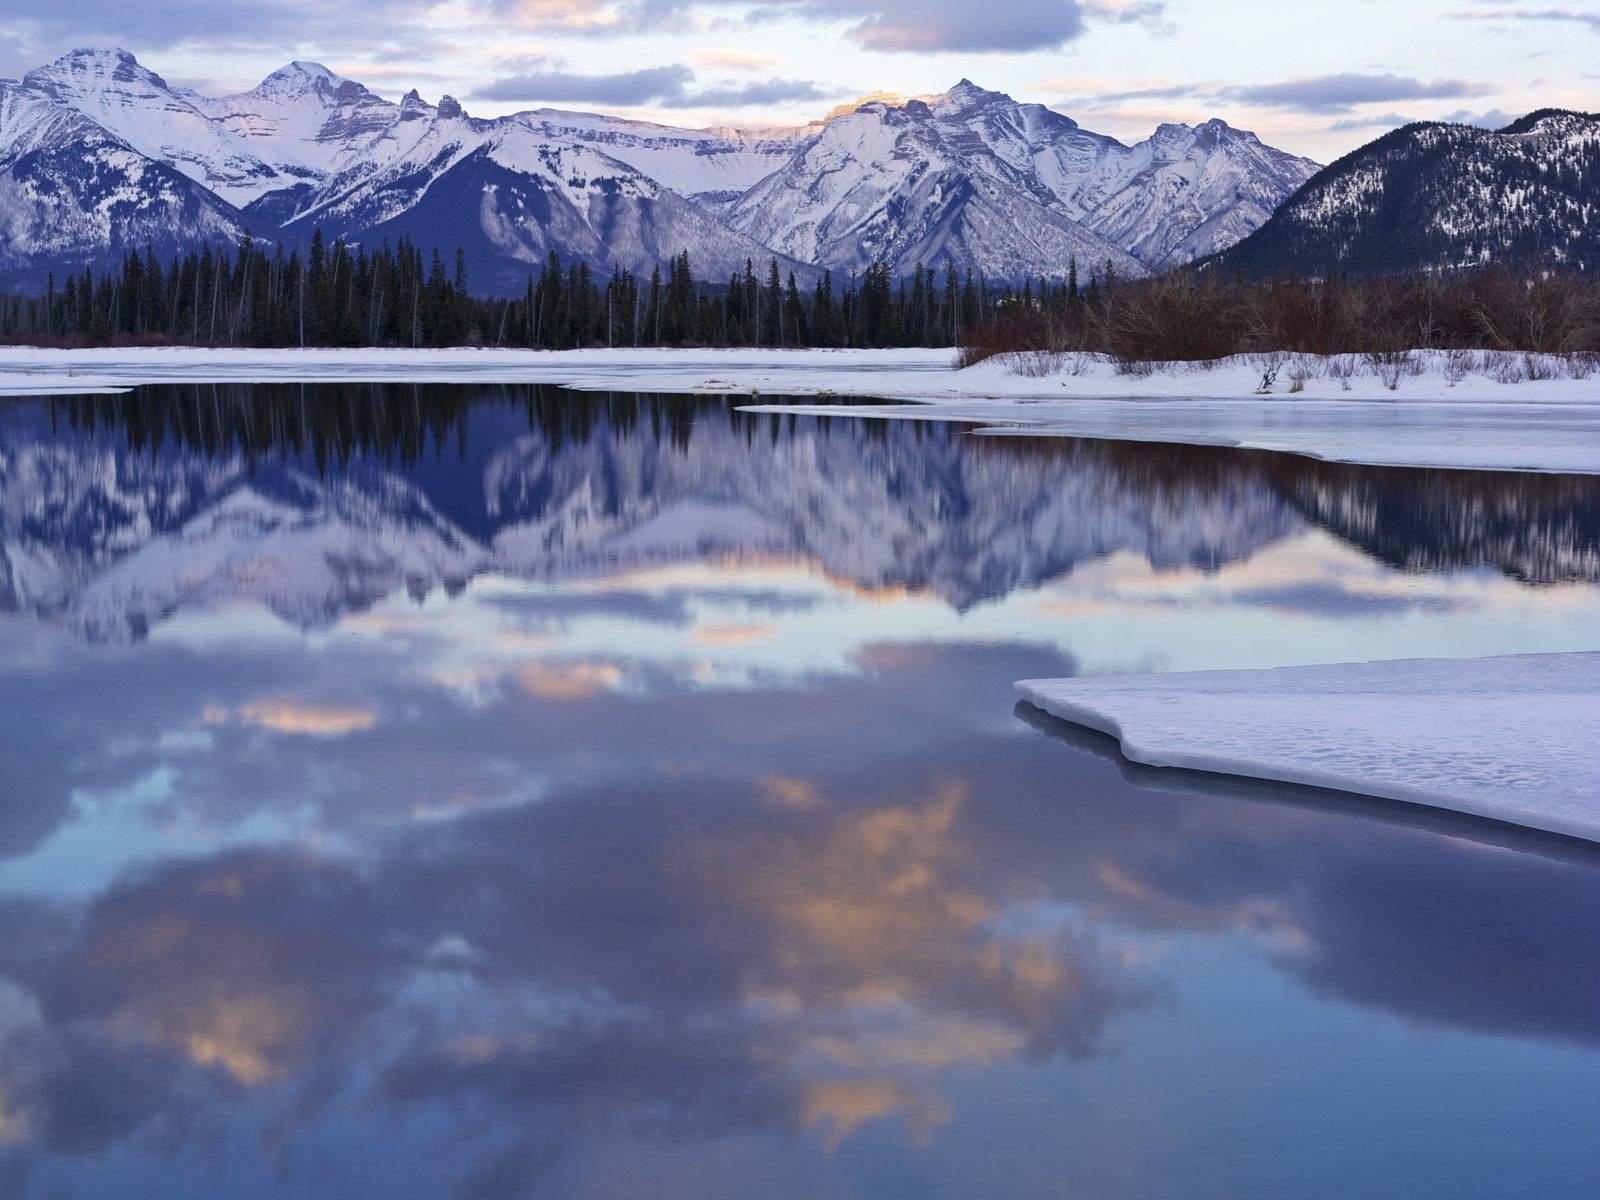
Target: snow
[[1429, 420], [1513, 738]]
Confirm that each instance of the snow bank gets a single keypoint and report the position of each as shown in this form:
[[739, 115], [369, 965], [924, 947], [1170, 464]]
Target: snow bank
[[1440, 413], [1515, 738]]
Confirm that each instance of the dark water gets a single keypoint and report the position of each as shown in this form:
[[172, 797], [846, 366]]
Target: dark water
[[435, 792]]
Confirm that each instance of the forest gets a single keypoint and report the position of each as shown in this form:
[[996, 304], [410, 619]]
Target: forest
[[255, 295]]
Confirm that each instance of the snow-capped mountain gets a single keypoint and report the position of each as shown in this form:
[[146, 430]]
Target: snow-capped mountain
[[970, 178], [1432, 196], [974, 175], [889, 183], [708, 166], [72, 193]]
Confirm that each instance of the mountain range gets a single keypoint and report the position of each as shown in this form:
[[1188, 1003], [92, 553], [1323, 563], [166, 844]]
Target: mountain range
[[99, 155]]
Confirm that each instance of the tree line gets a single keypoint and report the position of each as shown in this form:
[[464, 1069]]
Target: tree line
[[336, 294]]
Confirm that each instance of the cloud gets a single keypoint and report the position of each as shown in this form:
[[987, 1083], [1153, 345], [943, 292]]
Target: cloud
[[1570, 16], [889, 26], [734, 60], [1310, 94], [1340, 93], [645, 86], [1494, 118], [535, 78], [770, 91]]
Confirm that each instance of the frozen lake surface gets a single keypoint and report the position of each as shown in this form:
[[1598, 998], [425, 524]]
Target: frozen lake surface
[[1430, 418]]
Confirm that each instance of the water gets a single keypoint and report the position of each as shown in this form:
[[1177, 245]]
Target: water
[[503, 792]]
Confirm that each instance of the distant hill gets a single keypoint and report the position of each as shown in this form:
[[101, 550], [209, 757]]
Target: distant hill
[[1433, 196]]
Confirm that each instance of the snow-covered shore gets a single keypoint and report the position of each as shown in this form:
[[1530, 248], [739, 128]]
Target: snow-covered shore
[[1513, 738], [1443, 411]]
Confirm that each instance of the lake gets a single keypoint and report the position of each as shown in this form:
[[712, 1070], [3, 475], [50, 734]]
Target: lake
[[503, 791]]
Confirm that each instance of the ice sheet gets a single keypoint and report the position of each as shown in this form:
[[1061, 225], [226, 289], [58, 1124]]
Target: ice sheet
[[1514, 738]]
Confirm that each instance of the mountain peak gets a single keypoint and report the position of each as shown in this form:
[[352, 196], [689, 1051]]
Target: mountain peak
[[888, 99], [299, 77], [966, 93], [89, 62]]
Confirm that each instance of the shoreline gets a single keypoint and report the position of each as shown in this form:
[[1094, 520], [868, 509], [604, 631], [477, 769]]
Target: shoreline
[[1429, 418]]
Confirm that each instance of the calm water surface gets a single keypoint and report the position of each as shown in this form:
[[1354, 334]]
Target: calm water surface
[[499, 792]]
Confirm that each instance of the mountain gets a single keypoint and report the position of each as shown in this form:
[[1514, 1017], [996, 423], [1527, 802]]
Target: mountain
[[972, 175], [1437, 196], [709, 166], [970, 178], [73, 194]]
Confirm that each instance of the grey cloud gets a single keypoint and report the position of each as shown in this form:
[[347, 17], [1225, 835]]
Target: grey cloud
[[536, 79], [643, 86], [1339, 93], [47, 29], [770, 91], [895, 26], [1494, 118], [1568, 15]]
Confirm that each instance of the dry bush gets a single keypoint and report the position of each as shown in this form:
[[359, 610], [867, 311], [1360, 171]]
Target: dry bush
[[1503, 367], [1035, 364], [1458, 364]]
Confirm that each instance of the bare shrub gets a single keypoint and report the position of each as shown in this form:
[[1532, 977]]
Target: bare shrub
[[1582, 364], [1391, 366], [1301, 368], [1458, 364], [1505, 368], [1343, 368], [1538, 367], [1035, 364]]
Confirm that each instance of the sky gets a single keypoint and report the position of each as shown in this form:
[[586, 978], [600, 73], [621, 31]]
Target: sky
[[1318, 77]]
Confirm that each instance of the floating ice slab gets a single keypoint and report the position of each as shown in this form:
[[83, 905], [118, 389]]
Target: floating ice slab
[[1435, 416], [1514, 738]]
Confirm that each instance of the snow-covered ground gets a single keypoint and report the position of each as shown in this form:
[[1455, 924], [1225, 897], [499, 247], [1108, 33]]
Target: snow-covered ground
[[1515, 738], [1436, 415]]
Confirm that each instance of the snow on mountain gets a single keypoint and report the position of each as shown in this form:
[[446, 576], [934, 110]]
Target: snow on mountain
[[969, 177], [73, 194], [509, 196], [896, 185], [1185, 192], [167, 124], [1436, 196], [710, 166], [972, 170]]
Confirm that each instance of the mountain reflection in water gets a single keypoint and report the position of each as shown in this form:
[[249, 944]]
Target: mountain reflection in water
[[506, 792]]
